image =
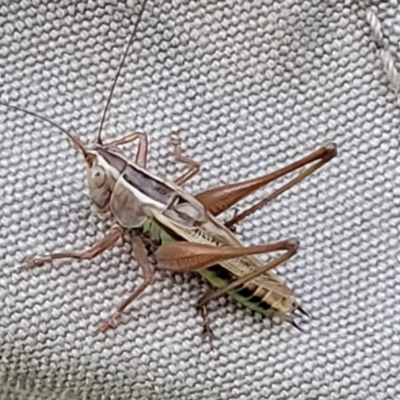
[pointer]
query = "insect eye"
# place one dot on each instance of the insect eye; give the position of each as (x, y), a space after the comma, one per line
(98, 176)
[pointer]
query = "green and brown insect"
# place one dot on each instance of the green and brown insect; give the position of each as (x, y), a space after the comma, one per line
(183, 229)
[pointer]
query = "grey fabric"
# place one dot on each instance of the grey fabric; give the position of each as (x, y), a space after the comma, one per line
(251, 86)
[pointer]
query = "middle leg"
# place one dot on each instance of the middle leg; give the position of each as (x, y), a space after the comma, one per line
(179, 157)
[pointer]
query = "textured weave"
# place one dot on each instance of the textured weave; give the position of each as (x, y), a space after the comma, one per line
(251, 85)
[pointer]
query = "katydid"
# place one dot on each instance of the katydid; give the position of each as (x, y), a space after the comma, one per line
(183, 229)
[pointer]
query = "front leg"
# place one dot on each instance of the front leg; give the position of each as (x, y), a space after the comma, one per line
(194, 167)
(141, 154)
(107, 242)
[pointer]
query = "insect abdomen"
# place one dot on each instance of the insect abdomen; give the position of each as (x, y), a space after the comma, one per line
(250, 295)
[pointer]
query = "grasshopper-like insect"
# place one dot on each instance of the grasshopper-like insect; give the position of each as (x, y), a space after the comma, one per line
(182, 230)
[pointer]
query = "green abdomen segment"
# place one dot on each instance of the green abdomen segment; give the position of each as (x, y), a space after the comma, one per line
(217, 275)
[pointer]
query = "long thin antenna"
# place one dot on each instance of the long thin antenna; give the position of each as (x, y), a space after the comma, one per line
(72, 137)
(99, 141)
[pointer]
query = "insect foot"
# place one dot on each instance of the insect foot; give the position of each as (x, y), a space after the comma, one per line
(106, 326)
(293, 244)
(35, 262)
(207, 332)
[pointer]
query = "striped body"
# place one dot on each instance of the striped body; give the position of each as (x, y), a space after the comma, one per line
(256, 295)
(250, 295)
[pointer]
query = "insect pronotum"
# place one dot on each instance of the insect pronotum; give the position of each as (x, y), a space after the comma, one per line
(182, 230)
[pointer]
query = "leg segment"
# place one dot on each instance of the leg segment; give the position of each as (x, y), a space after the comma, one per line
(207, 332)
(193, 166)
(107, 242)
(219, 199)
(190, 257)
(141, 155)
(140, 254)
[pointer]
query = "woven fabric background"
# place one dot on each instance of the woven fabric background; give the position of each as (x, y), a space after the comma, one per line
(252, 86)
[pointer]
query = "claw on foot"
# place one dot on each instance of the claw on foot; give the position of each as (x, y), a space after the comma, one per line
(34, 262)
(103, 328)
(175, 141)
(207, 331)
(208, 334)
(107, 325)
